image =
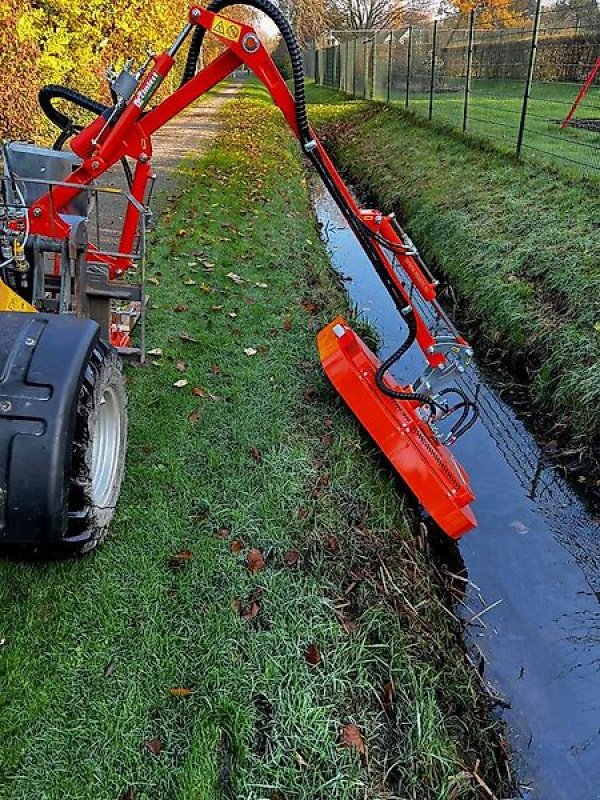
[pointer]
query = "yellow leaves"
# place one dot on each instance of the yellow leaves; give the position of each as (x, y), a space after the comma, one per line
(180, 691)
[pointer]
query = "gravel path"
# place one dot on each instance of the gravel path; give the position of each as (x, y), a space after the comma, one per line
(188, 134)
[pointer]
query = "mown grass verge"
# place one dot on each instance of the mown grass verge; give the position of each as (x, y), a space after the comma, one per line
(519, 244)
(175, 663)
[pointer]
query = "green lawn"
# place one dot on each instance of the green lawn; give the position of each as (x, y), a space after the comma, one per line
(494, 113)
(174, 663)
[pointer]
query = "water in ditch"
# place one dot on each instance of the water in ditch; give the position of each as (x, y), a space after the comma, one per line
(533, 564)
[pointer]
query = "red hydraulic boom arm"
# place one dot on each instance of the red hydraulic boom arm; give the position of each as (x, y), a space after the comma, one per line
(406, 421)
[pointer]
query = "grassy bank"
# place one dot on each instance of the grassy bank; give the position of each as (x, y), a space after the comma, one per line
(261, 623)
(519, 244)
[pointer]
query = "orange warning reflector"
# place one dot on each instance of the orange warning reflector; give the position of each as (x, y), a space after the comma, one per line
(426, 466)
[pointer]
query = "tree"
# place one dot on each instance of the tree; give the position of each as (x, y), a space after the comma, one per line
(73, 42)
(367, 14)
(20, 74)
(309, 18)
(492, 13)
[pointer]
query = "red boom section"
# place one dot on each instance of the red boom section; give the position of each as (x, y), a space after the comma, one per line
(426, 466)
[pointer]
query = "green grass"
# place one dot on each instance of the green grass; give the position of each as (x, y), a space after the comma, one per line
(519, 244)
(92, 648)
(494, 112)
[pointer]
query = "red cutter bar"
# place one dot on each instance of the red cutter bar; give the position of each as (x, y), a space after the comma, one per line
(426, 466)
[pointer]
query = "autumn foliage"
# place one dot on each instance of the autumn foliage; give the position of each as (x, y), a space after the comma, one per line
(73, 42)
(19, 71)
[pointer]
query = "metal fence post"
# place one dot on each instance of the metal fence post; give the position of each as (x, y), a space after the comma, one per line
(432, 82)
(373, 66)
(389, 72)
(408, 64)
(354, 69)
(530, 71)
(346, 63)
(365, 63)
(469, 68)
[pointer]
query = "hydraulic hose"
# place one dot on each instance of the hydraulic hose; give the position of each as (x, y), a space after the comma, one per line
(55, 92)
(280, 20)
(386, 365)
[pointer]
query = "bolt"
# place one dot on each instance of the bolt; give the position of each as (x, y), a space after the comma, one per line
(250, 43)
(5, 406)
(144, 158)
(29, 342)
(195, 12)
(37, 212)
(95, 164)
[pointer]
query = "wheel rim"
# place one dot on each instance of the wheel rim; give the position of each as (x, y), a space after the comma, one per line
(106, 447)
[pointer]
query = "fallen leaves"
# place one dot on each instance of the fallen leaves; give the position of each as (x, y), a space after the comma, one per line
(309, 306)
(153, 746)
(236, 546)
(388, 699)
(181, 383)
(312, 655)
(180, 558)
(351, 737)
(250, 610)
(291, 558)
(198, 391)
(256, 455)
(180, 691)
(349, 626)
(235, 278)
(255, 561)
(250, 351)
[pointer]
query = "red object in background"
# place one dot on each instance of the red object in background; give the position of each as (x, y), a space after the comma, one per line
(582, 92)
(426, 466)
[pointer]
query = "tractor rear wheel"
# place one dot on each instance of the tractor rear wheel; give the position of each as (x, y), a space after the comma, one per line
(99, 448)
(63, 434)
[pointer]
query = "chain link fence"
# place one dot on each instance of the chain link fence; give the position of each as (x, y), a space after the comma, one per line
(514, 86)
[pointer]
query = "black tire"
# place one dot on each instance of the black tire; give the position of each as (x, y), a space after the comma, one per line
(99, 449)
